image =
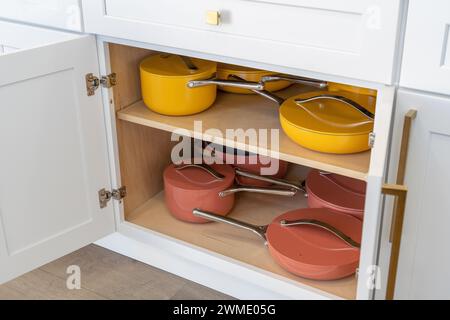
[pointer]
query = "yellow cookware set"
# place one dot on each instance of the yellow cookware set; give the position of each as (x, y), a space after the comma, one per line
(338, 120)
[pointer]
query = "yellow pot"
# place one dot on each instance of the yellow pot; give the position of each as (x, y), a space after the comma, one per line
(328, 125)
(164, 84)
(247, 74)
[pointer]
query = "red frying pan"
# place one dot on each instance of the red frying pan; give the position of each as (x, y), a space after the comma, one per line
(211, 188)
(338, 193)
(312, 243)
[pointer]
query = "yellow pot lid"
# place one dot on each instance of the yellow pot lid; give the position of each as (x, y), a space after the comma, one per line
(170, 65)
(230, 68)
(327, 116)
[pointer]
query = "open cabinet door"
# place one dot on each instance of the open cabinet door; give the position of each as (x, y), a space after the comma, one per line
(53, 154)
(369, 271)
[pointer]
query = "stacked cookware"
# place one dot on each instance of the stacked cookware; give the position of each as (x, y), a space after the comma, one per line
(320, 242)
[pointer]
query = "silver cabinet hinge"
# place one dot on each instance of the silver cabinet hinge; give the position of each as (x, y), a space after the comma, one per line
(105, 195)
(371, 139)
(93, 82)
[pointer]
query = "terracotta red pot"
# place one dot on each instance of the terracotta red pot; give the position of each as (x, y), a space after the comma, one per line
(338, 193)
(210, 188)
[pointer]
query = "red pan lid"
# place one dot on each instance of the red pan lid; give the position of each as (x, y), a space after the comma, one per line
(313, 252)
(194, 178)
(336, 191)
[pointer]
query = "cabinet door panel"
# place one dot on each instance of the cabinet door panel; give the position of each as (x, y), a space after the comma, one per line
(53, 155)
(426, 57)
(425, 246)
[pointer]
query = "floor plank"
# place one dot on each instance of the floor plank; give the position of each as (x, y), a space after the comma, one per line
(104, 275)
(194, 291)
(42, 285)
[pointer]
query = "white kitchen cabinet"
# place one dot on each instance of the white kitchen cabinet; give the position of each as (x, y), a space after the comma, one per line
(424, 258)
(349, 38)
(426, 57)
(61, 14)
(53, 149)
(64, 146)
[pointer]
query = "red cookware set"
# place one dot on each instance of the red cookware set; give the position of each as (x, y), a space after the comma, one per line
(320, 242)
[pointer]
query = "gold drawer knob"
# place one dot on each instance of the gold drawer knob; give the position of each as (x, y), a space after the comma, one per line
(213, 18)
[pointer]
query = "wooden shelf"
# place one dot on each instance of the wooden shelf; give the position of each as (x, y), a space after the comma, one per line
(233, 111)
(234, 243)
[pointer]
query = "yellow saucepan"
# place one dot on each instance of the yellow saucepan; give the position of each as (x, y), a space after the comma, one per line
(272, 81)
(176, 85)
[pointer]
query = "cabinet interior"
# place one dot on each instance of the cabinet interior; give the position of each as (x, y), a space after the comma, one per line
(144, 141)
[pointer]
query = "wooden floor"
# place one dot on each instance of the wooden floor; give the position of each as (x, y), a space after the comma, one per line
(104, 275)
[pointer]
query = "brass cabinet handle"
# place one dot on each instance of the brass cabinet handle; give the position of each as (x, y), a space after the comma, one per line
(401, 168)
(400, 191)
(213, 17)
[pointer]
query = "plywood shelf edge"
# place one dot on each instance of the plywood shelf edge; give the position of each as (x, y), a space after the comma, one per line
(355, 165)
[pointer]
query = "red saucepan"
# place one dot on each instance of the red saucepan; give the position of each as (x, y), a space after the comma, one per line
(210, 188)
(312, 243)
(249, 162)
(338, 193)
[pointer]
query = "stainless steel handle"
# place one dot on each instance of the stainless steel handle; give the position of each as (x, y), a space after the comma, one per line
(264, 93)
(202, 166)
(230, 83)
(271, 96)
(189, 63)
(313, 222)
(294, 79)
(342, 99)
(259, 230)
(272, 191)
(276, 181)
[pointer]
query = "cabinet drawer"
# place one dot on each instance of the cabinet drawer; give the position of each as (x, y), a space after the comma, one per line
(335, 37)
(61, 14)
(426, 58)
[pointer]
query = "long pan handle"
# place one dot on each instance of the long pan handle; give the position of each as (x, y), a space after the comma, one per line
(272, 191)
(264, 93)
(259, 230)
(229, 83)
(295, 79)
(276, 181)
(313, 222)
(271, 96)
